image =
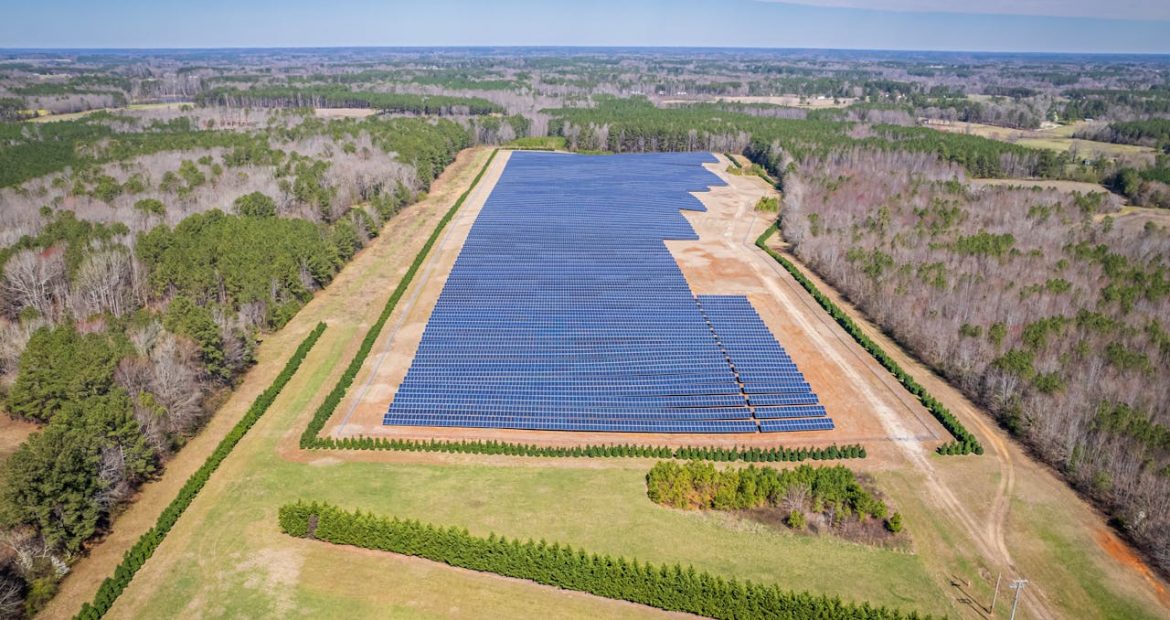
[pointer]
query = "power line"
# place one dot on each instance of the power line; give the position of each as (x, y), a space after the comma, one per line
(1018, 586)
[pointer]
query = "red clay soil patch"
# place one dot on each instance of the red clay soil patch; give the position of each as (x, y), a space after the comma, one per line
(1121, 552)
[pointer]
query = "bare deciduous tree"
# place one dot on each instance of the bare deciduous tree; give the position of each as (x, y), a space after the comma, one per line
(35, 280)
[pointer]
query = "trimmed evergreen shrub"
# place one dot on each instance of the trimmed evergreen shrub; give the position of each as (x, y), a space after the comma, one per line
(672, 588)
(752, 455)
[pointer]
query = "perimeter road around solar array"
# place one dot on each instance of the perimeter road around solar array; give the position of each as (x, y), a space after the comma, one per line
(565, 311)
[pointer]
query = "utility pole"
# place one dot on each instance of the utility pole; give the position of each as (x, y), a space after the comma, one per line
(995, 597)
(1018, 586)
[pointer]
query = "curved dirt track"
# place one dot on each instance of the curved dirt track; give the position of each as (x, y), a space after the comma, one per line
(988, 532)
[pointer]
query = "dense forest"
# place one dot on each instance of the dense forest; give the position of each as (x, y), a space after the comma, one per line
(341, 97)
(633, 125)
(144, 255)
(1043, 306)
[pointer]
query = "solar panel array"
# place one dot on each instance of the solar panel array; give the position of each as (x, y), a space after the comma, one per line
(565, 311)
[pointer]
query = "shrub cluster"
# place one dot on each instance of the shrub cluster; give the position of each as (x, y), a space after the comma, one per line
(309, 438)
(697, 485)
(665, 587)
(748, 455)
(965, 442)
(137, 555)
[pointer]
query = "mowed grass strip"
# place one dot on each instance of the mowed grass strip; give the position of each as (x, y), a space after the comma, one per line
(310, 438)
(136, 556)
(673, 588)
(604, 510)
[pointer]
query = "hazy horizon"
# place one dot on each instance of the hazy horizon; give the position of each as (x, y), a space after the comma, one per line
(1027, 26)
(954, 52)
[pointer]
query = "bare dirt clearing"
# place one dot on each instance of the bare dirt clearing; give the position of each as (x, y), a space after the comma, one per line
(344, 112)
(13, 432)
(1058, 138)
(788, 101)
(1063, 186)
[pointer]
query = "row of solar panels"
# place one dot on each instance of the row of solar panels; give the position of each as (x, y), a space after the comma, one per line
(440, 399)
(576, 425)
(564, 305)
(601, 413)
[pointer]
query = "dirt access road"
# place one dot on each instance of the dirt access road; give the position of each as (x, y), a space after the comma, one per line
(988, 527)
(853, 387)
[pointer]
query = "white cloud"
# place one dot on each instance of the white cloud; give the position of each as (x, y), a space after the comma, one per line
(1115, 9)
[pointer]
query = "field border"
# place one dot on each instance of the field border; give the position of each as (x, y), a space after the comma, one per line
(965, 442)
(311, 438)
(671, 588)
(134, 558)
(617, 450)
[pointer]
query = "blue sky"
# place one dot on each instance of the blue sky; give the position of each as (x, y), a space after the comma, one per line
(995, 25)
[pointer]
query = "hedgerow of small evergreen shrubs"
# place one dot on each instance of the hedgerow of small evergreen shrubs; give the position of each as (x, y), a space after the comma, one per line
(309, 438)
(137, 555)
(671, 588)
(747, 455)
(965, 442)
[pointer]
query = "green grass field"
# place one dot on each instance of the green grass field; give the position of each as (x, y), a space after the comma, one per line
(603, 509)
(44, 116)
(1085, 148)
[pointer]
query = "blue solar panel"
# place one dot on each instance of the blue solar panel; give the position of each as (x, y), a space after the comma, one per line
(813, 411)
(565, 311)
(792, 426)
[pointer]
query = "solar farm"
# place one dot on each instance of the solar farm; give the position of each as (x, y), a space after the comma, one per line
(565, 311)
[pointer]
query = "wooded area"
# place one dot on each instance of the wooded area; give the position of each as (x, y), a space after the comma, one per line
(1039, 304)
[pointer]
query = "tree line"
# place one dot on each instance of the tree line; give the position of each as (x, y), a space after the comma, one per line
(315, 96)
(672, 588)
(1047, 308)
(705, 453)
(113, 586)
(636, 125)
(114, 341)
